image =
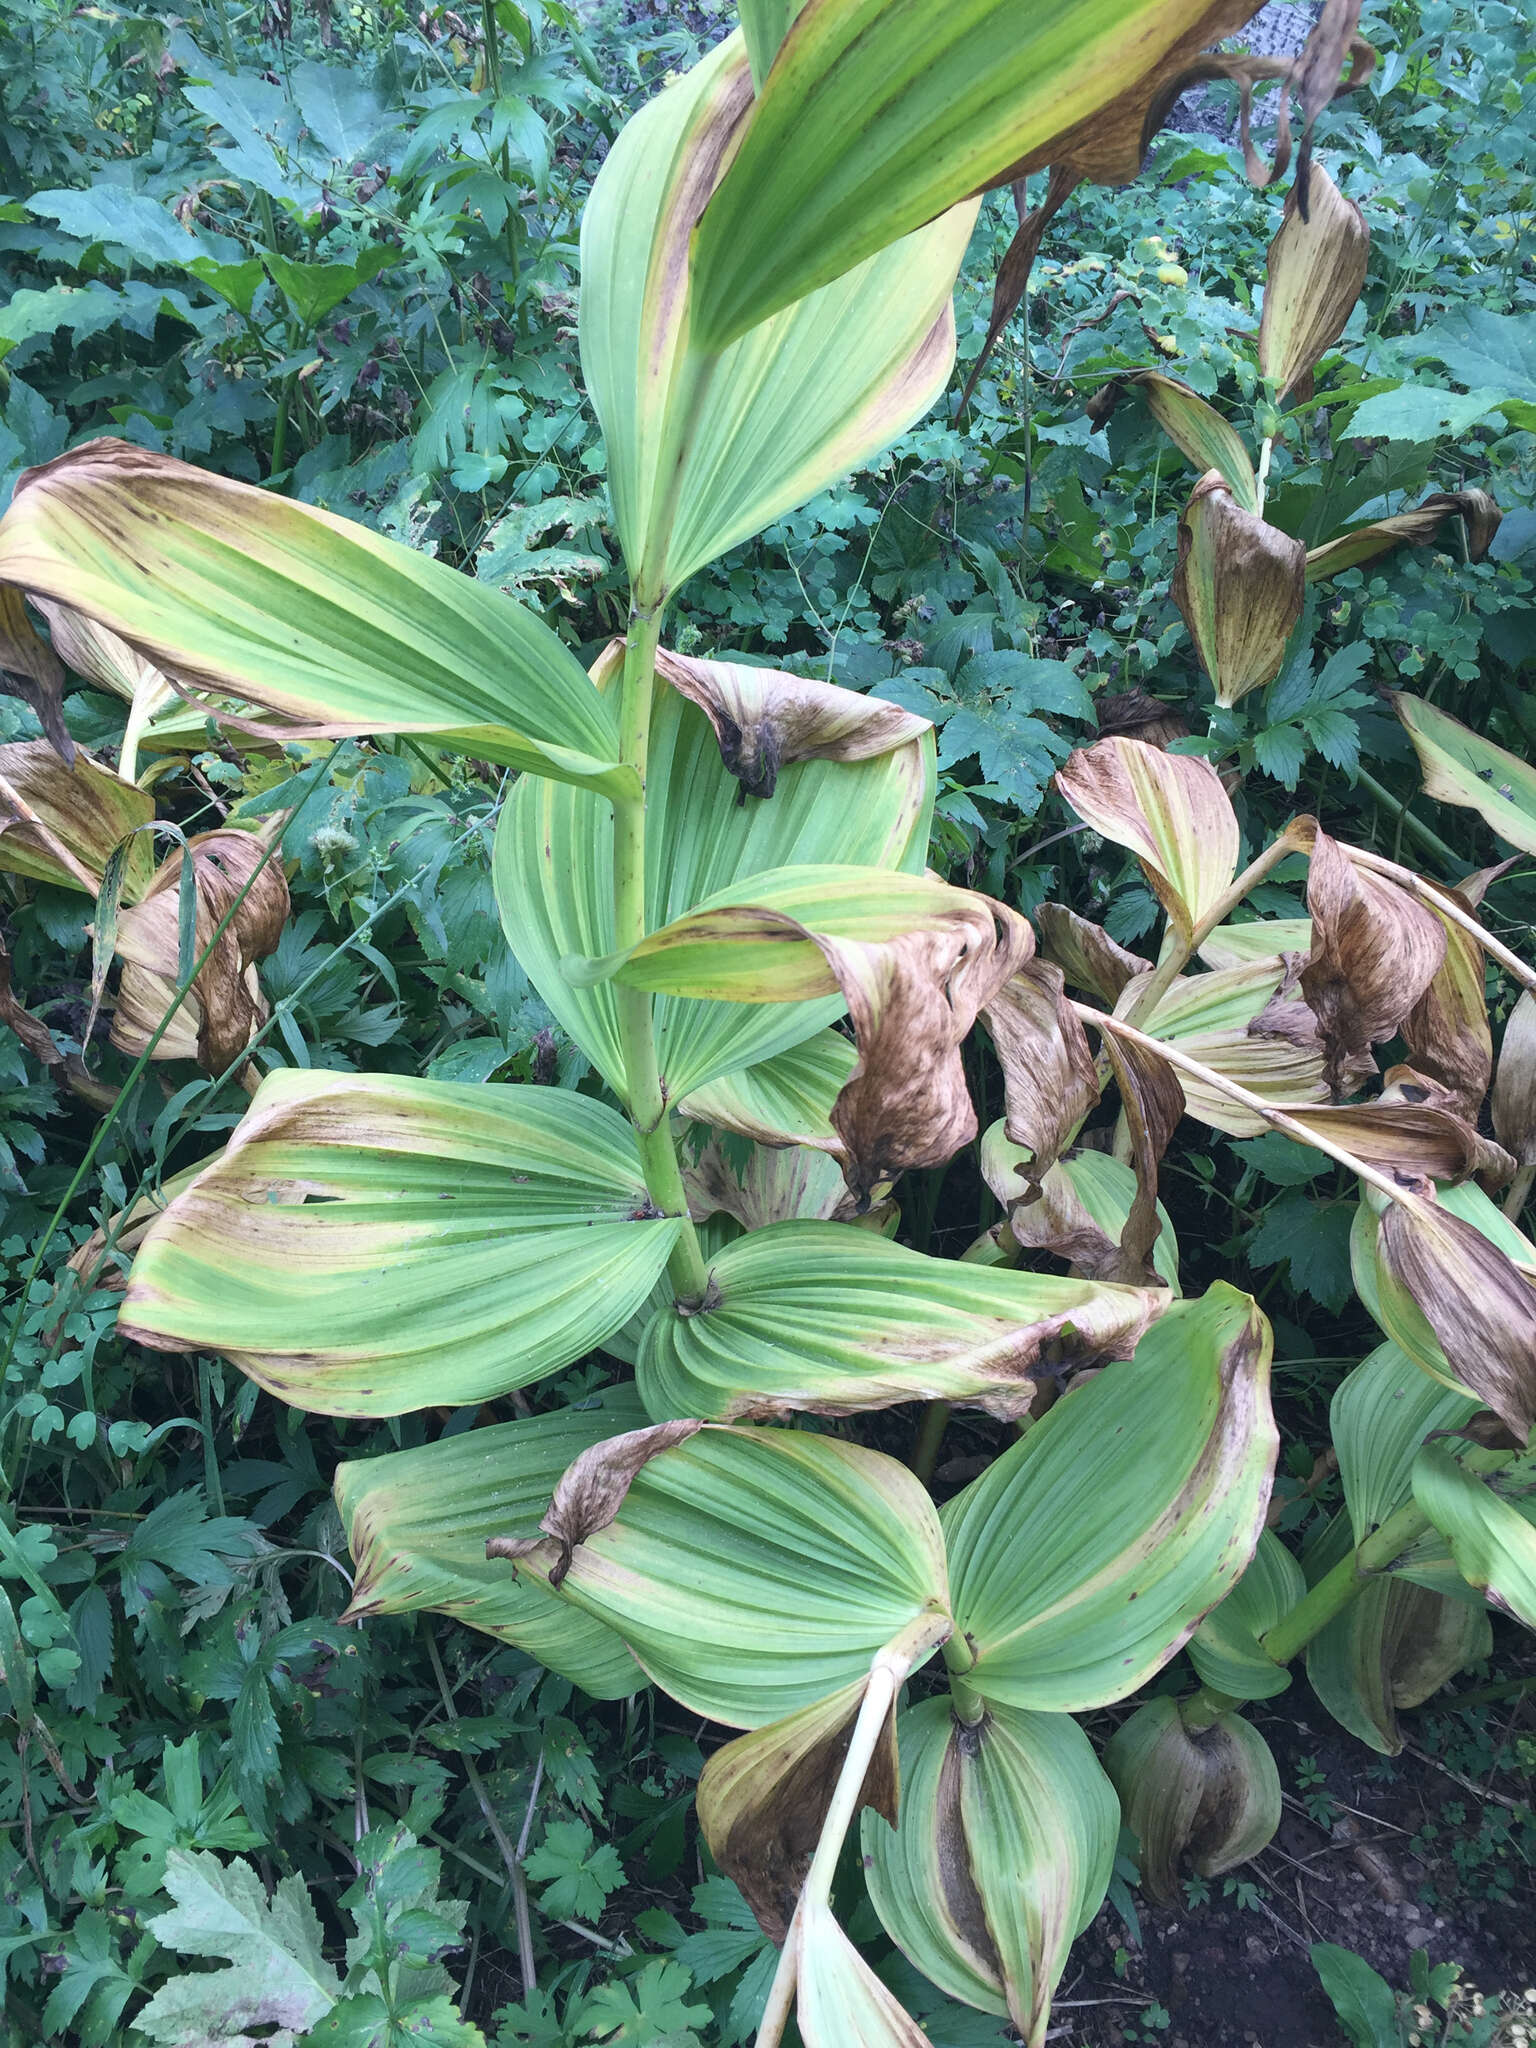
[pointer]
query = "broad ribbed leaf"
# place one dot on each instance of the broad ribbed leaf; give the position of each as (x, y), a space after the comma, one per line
(1491, 1539)
(1002, 1854)
(1084, 1204)
(553, 873)
(1083, 1558)
(1378, 1420)
(1461, 767)
(705, 450)
(754, 1571)
(1261, 938)
(1236, 1021)
(60, 822)
(877, 115)
(1240, 584)
(783, 1100)
(840, 2002)
(237, 589)
(369, 1244)
(832, 1319)
(416, 1524)
(1225, 1649)
(1169, 809)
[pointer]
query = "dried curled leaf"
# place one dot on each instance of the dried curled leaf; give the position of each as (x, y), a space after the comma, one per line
(59, 822)
(1169, 809)
(1134, 715)
(1514, 1086)
(1446, 1032)
(1086, 954)
(590, 1493)
(764, 719)
(1480, 1308)
(1240, 585)
(1151, 1101)
(1414, 1131)
(1315, 273)
(1477, 511)
(1049, 1082)
(30, 670)
(1202, 1798)
(1375, 952)
(215, 1019)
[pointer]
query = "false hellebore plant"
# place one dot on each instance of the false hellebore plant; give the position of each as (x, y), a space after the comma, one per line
(703, 865)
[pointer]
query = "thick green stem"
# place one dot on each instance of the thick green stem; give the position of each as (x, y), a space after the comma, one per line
(1414, 827)
(1335, 1589)
(930, 1434)
(637, 1038)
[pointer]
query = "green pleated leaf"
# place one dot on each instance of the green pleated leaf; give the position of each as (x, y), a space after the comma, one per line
(705, 450)
(877, 115)
(552, 868)
(368, 1244)
(785, 1100)
(1491, 1538)
(1461, 767)
(834, 1320)
(1380, 1415)
(1225, 1649)
(1391, 1648)
(1205, 1799)
(416, 1524)
(234, 588)
(1082, 1560)
(752, 1571)
(1261, 938)
(1001, 1855)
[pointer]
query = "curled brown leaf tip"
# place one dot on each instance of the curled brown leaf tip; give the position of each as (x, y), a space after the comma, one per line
(1478, 512)
(1375, 951)
(764, 719)
(1446, 1032)
(1240, 584)
(1413, 1131)
(30, 670)
(1316, 272)
(1049, 1082)
(1086, 954)
(1152, 1100)
(214, 1022)
(913, 1001)
(590, 1493)
(1514, 1086)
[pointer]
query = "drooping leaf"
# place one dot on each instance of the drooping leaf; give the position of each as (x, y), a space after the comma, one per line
(1240, 585)
(1411, 1131)
(1205, 1797)
(1001, 1855)
(233, 588)
(705, 449)
(416, 1524)
(840, 2001)
(1086, 954)
(1491, 1541)
(1226, 1649)
(1461, 767)
(1181, 1442)
(1195, 428)
(1169, 809)
(1514, 1087)
(834, 1320)
(60, 823)
(1314, 274)
(755, 1571)
(1478, 513)
(1446, 1032)
(1049, 1078)
(1082, 1211)
(371, 1244)
(30, 670)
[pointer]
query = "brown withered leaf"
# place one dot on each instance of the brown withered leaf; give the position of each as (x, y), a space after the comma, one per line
(913, 1001)
(1413, 1131)
(764, 719)
(1169, 809)
(32, 1031)
(1136, 715)
(590, 1493)
(1315, 273)
(98, 655)
(1446, 1032)
(214, 1021)
(775, 1184)
(60, 821)
(1088, 957)
(1420, 528)
(1018, 261)
(1514, 1084)
(1152, 1101)
(1481, 1310)
(30, 670)
(1055, 1222)
(1240, 584)
(1375, 951)
(1049, 1083)
(763, 1798)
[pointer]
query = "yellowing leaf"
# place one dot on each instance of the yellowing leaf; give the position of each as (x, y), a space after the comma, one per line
(1169, 809)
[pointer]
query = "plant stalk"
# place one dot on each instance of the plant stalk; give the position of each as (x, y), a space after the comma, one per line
(1414, 827)
(637, 1038)
(1519, 1193)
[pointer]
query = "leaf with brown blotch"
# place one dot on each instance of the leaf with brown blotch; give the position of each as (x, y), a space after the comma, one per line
(764, 719)
(1477, 511)
(1315, 273)
(1375, 952)
(1514, 1085)
(214, 1021)
(1135, 715)
(1089, 958)
(913, 1001)
(30, 670)
(1152, 1102)
(1480, 1308)
(775, 1184)
(1245, 1023)
(98, 655)
(590, 1493)
(1240, 585)
(1169, 809)
(60, 822)
(1018, 261)
(1446, 1032)
(1412, 1131)
(1049, 1083)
